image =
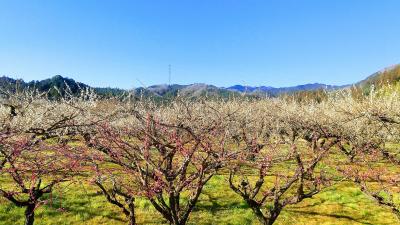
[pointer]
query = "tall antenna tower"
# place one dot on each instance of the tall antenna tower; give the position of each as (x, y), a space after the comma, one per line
(169, 75)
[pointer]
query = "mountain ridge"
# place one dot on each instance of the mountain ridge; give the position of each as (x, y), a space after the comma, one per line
(58, 84)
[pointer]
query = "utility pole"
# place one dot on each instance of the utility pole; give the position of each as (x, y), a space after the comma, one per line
(169, 75)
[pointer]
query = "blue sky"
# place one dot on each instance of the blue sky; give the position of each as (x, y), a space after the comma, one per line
(222, 42)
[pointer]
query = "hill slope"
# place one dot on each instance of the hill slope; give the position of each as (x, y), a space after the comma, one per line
(272, 91)
(58, 85)
(55, 86)
(389, 75)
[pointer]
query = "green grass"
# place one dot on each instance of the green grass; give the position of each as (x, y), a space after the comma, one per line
(83, 204)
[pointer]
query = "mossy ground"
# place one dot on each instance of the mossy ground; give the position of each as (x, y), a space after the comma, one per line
(83, 204)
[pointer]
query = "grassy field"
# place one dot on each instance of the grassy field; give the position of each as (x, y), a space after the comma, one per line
(83, 204)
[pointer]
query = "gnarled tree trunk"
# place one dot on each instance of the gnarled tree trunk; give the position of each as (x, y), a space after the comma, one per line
(30, 214)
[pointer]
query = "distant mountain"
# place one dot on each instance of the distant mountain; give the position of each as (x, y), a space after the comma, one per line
(277, 91)
(191, 91)
(250, 89)
(58, 85)
(11, 84)
(389, 75)
(55, 86)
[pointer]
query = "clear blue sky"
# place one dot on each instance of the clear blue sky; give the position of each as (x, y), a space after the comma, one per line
(221, 42)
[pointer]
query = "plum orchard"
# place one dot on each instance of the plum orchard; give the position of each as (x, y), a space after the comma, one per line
(284, 144)
(273, 152)
(372, 147)
(172, 153)
(34, 154)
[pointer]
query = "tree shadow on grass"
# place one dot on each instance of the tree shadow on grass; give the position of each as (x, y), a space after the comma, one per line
(90, 214)
(56, 207)
(310, 205)
(216, 204)
(302, 212)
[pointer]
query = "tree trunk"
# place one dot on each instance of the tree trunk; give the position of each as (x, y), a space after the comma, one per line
(274, 216)
(260, 216)
(30, 214)
(265, 220)
(131, 205)
(132, 220)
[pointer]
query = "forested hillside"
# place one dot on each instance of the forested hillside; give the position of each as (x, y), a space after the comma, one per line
(388, 76)
(58, 85)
